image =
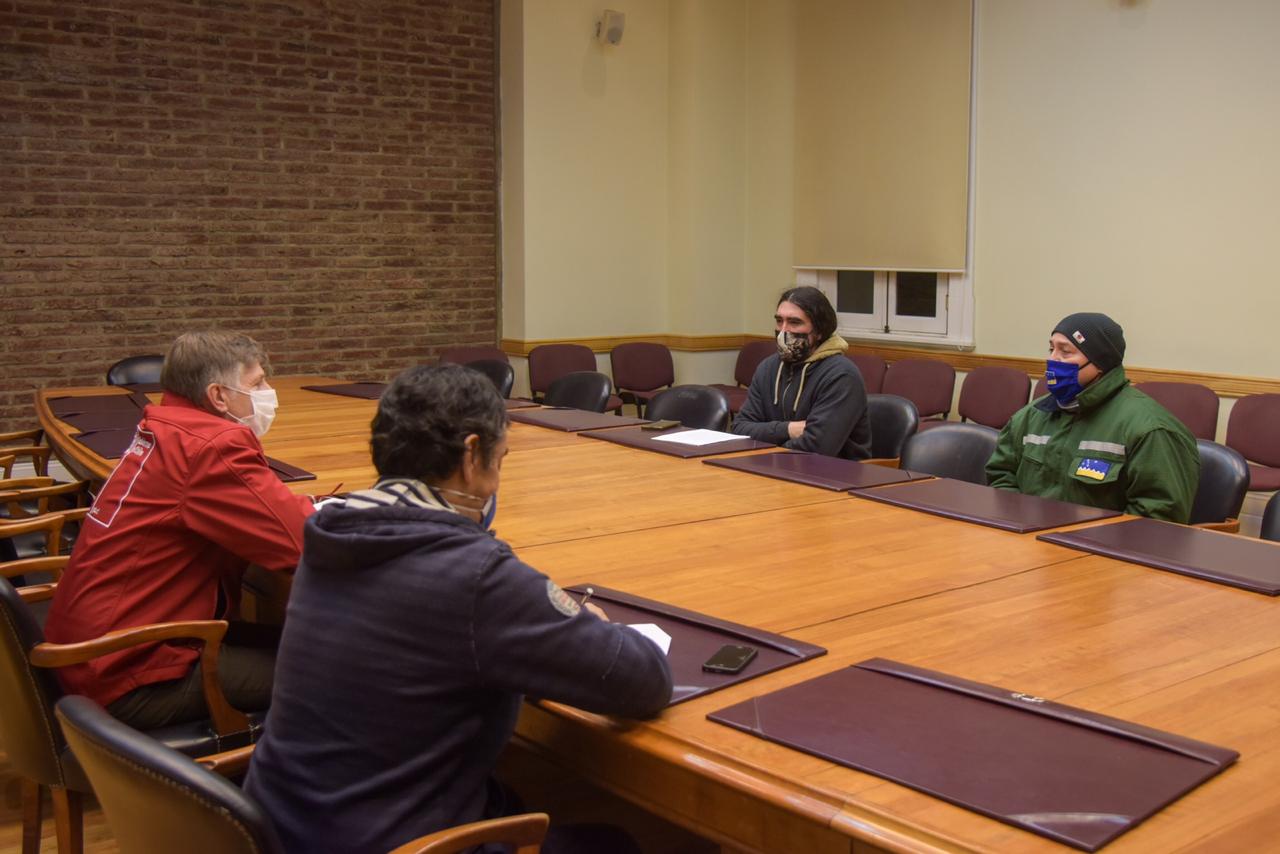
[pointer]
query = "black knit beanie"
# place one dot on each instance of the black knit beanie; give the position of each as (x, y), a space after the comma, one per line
(1097, 336)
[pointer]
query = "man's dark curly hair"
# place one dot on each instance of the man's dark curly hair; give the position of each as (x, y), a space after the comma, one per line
(425, 416)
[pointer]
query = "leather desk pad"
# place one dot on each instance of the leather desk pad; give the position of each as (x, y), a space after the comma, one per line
(520, 404)
(288, 473)
(637, 437)
(985, 505)
(1223, 558)
(64, 406)
(1072, 775)
(364, 391)
(696, 637)
(572, 420)
(817, 470)
(110, 444)
(107, 419)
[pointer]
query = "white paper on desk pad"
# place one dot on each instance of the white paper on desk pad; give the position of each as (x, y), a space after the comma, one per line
(697, 438)
(653, 633)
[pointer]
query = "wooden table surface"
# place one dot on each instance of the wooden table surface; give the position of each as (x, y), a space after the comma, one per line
(862, 579)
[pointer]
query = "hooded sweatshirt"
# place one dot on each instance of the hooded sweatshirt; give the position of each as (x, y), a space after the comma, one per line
(825, 391)
(411, 635)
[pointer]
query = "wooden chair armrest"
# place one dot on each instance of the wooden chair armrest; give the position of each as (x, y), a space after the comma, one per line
(10, 484)
(887, 462)
(78, 489)
(6, 464)
(1229, 526)
(50, 523)
(226, 719)
(228, 763)
(39, 457)
(32, 436)
(47, 563)
(525, 831)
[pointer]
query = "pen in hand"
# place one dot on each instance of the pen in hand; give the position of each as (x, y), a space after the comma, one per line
(587, 595)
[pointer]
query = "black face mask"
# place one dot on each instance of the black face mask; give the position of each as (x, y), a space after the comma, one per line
(794, 346)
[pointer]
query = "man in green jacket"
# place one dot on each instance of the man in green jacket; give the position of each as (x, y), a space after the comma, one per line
(1095, 439)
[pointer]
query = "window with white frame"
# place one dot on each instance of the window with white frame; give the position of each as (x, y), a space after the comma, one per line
(920, 306)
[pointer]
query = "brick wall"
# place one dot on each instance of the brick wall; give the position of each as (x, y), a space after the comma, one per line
(319, 174)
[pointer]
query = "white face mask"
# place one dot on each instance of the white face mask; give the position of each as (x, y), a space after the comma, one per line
(264, 402)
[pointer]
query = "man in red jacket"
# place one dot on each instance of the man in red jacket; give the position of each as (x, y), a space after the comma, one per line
(188, 507)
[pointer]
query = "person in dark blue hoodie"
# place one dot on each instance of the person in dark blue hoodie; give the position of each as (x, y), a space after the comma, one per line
(412, 634)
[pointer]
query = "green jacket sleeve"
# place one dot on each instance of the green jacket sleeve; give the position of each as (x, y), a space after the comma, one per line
(1162, 472)
(1002, 468)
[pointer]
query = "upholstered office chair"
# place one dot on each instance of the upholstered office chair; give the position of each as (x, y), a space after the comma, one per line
(472, 353)
(501, 374)
(1193, 404)
(136, 369)
(1270, 529)
(28, 690)
(693, 406)
(749, 358)
(1251, 430)
(958, 451)
(893, 419)
(640, 370)
(872, 368)
(990, 395)
(549, 362)
(587, 390)
(157, 799)
(1224, 480)
(928, 383)
(1041, 389)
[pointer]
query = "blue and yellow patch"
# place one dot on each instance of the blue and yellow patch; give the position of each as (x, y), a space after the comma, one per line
(1095, 469)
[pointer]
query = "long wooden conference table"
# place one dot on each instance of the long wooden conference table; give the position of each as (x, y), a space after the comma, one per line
(863, 580)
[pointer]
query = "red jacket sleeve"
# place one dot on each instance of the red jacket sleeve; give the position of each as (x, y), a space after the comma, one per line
(233, 499)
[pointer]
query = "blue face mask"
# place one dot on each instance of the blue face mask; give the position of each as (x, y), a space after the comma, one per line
(1063, 380)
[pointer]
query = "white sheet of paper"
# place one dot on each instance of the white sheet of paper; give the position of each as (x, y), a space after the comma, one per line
(653, 633)
(698, 438)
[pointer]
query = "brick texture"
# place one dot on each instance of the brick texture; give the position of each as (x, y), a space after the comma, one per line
(321, 175)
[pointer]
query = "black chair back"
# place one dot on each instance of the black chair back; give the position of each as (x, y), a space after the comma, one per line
(467, 354)
(1224, 480)
(136, 369)
(27, 695)
(1271, 520)
(892, 419)
(501, 374)
(156, 799)
(587, 390)
(692, 405)
(958, 451)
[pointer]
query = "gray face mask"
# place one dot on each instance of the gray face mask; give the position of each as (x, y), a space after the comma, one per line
(794, 346)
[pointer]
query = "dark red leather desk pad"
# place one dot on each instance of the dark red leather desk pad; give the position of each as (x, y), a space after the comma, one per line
(638, 437)
(817, 470)
(364, 391)
(1072, 775)
(110, 444)
(519, 404)
(61, 407)
(572, 420)
(985, 505)
(1224, 558)
(695, 637)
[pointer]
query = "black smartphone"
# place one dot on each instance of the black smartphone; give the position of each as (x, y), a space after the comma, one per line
(665, 424)
(730, 658)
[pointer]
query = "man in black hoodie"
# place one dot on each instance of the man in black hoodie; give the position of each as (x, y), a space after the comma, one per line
(413, 633)
(808, 397)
